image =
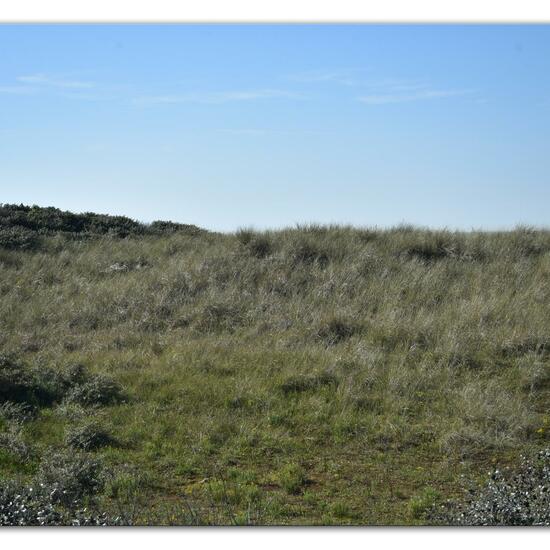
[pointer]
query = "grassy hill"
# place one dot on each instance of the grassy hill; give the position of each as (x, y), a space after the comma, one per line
(304, 376)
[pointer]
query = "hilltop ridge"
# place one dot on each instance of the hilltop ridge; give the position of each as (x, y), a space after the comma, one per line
(23, 223)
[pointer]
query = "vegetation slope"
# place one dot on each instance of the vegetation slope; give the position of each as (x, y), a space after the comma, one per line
(314, 375)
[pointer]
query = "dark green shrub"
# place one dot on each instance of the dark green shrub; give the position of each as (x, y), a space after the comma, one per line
(335, 330)
(517, 348)
(166, 227)
(20, 225)
(260, 246)
(427, 252)
(52, 220)
(20, 384)
(432, 246)
(16, 383)
(508, 498)
(97, 390)
(299, 384)
(71, 475)
(84, 388)
(17, 412)
(12, 442)
(61, 494)
(24, 506)
(89, 437)
(32, 505)
(57, 494)
(75, 374)
(308, 252)
(36, 387)
(18, 238)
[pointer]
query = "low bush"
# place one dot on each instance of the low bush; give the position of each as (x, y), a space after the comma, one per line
(298, 384)
(17, 412)
(521, 497)
(35, 387)
(20, 226)
(432, 246)
(32, 505)
(261, 246)
(71, 475)
(335, 330)
(258, 245)
(308, 252)
(62, 493)
(18, 238)
(22, 505)
(97, 390)
(428, 252)
(88, 437)
(167, 227)
(22, 385)
(12, 442)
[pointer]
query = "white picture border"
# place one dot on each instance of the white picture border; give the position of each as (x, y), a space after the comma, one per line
(281, 11)
(295, 11)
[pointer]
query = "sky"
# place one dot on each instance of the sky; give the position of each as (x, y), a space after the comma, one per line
(268, 126)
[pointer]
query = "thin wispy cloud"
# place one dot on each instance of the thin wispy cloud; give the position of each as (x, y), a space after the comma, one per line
(399, 91)
(41, 83)
(93, 95)
(218, 97)
(41, 79)
(242, 131)
(268, 131)
(379, 91)
(16, 90)
(346, 77)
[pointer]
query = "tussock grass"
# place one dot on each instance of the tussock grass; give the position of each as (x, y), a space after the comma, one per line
(386, 363)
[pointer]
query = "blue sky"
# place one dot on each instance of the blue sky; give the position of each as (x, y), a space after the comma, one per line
(271, 125)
